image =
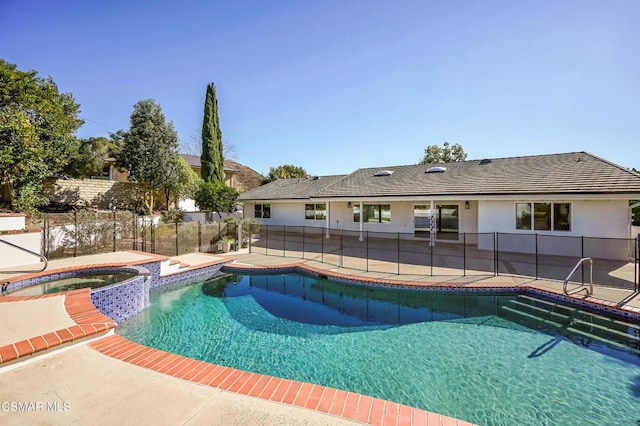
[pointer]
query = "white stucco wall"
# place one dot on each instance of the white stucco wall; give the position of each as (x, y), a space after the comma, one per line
(597, 218)
(188, 205)
(606, 220)
(13, 257)
(12, 221)
(341, 216)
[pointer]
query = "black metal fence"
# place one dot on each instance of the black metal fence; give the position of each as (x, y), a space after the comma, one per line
(615, 261)
(86, 232)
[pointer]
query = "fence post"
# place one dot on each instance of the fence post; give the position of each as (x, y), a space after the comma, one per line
(266, 240)
(199, 237)
(464, 254)
(115, 227)
(284, 240)
(177, 249)
(322, 248)
(153, 236)
(367, 251)
(45, 235)
(496, 253)
(341, 247)
(303, 238)
(536, 245)
(134, 228)
(398, 253)
(582, 257)
(637, 268)
(75, 224)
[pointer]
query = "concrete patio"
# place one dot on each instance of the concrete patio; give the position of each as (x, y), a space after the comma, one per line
(77, 384)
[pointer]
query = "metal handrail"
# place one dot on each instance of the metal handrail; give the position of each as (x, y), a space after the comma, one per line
(573, 271)
(42, 258)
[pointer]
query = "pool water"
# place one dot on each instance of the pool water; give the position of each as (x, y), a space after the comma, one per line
(87, 280)
(448, 353)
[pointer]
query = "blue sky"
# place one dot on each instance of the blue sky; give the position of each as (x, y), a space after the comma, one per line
(336, 85)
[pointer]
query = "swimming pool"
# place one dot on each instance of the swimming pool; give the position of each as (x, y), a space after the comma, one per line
(461, 355)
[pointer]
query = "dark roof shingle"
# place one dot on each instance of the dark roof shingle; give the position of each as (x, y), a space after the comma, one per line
(570, 173)
(291, 189)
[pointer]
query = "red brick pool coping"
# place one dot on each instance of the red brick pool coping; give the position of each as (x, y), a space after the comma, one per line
(331, 401)
(335, 402)
(89, 323)
(149, 257)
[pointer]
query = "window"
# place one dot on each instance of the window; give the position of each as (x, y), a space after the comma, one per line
(315, 211)
(543, 216)
(523, 215)
(262, 211)
(373, 213)
(561, 218)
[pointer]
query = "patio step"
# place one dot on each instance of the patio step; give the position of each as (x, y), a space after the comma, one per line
(572, 323)
(171, 266)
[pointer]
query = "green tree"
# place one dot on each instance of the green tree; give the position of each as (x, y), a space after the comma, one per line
(89, 156)
(445, 154)
(37, 127)
(285, 171)
(212, 151)
(186, 185)
(216, 197)
(149, 150)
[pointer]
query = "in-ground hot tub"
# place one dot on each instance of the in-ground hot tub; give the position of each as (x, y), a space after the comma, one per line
(118, 292)
(78, 280)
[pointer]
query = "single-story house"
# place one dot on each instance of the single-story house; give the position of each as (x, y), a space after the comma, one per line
(570, 194)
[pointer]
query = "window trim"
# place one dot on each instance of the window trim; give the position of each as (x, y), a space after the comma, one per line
(260, 207)
(318, 213)
(377, 213)
(553, 205)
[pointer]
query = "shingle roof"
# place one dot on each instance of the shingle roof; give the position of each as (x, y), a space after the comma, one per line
(291, 189)
(570, 173)
(194, 161)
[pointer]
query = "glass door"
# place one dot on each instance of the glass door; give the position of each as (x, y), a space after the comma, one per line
(422, 221)
(447, 224)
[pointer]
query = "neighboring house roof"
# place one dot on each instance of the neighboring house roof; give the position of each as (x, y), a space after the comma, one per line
(245, 177)
(291, 189)
(570, 173)
(194, 161)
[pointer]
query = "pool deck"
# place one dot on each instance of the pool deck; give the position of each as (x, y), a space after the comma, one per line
(60, 361)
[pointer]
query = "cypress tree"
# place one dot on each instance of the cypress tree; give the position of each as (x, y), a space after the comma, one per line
(211, 159)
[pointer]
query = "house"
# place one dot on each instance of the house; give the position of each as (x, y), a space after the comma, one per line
(236, 176)
(572, 194)
(229, 171)
(112, 187)
(111, 172)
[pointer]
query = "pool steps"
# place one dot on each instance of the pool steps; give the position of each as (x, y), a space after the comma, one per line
(172, 266)
(573, 322)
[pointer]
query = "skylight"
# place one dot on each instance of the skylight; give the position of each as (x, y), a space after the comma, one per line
(384, 173)
(436, 169)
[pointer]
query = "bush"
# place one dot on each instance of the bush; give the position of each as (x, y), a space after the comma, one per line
(29, 198)
(174, 215)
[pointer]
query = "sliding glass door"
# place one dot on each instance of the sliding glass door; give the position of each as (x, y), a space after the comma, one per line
(446, 217)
